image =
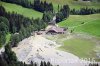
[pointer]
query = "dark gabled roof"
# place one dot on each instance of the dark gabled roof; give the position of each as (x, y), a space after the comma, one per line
(56, 29)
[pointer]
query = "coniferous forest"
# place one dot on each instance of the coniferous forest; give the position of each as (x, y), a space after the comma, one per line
(84, 11)
(20, 27)
(37, 4)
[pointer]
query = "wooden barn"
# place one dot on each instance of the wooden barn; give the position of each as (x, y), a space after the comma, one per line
(53, 28)
(56, 30)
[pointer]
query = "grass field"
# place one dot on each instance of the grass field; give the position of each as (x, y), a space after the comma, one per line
(80, 47)
(74, 4)
(8, 36)
(91, 24)
(92, 28)
(21, 10)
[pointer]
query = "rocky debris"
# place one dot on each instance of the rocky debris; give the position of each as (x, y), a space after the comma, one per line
(39, 49)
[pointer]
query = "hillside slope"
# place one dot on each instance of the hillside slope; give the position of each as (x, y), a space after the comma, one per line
(21, 10)
(74, 4)
(91, 24)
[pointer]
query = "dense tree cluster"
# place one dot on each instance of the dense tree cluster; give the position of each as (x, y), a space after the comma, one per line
(24, 3)
(63, 13)
(46, 8)
(19, 26)
(2, 11)
(92, 0)
(48, 16)
(42, 6)
(89, 0)
(84, 11)
(18, 21)
(37, 4)
(93, 64)
(8, 58)
(4, 26)
(4, 29)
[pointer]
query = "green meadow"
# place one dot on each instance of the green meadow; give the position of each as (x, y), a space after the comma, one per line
(80, 47)
(21, 10)
(8, 36)
(91, 24)
(86, 25)
(73, 4)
